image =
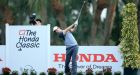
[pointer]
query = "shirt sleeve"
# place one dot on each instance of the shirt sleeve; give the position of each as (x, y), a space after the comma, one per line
(61, 35)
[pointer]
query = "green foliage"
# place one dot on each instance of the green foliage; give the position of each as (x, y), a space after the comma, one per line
(128, 1)
(60, 73)
(14, 72)
(51, 73)
(33, 72)
(25, 72)
(89, 71)
(107, 73)
(129, 37)
(99, 72)
(80, 73)
(117, 73)
(44, 9)
(42, 73)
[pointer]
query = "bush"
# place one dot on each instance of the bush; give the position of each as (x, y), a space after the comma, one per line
(60, 73)
(117, 73)
(33, 72)
(99, 72)
(25, 72)
(15, 72)
(107, 71)
(42, 73)
(51, 71)
(129, 44)
(6, 71)
(89, 71)
(80, 73)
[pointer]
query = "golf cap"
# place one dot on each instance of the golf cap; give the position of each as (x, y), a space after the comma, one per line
(54, 28)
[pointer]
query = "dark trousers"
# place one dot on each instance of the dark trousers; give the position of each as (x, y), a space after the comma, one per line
(71, 52)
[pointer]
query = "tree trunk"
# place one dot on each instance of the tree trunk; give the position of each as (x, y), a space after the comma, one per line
(59, 11)
(43, 11)
(95, 25)
(109, 21)
(101, 4)
(7, 17)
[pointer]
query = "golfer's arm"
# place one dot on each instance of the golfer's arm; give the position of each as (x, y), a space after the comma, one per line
(68, 28)
(73, 29)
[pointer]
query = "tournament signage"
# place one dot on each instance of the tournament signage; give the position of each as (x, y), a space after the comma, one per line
(27, 47)
(27, 39)
(95, 57)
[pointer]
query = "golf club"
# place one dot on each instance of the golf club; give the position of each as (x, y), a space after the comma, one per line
(76, 22)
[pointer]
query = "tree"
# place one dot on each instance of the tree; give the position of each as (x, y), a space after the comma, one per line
(108, 24)
(129, 37)
(58, 8)
(137, 3)
(6, 16)
(39, 7)
(109, 21)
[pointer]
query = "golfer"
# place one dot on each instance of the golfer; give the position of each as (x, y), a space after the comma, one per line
(71, 47)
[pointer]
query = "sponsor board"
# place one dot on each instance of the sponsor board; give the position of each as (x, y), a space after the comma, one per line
(27, 47)
(95, 57)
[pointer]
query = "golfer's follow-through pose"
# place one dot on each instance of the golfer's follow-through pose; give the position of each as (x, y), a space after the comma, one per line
(71, 47)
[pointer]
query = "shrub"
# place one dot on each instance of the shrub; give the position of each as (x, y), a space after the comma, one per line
(89, 71)
(80, 73)
(60, 73)
(6, 71)
(51, 71)
(25, 72)
(129, 45)
(117, 73)
(42, 73)
(15, 72)
(107, 71)
(33, 72)
(99, 72)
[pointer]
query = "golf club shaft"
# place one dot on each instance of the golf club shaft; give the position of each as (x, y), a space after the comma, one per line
(81, 10)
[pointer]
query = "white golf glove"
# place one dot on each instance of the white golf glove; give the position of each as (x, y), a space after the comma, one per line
(76, 23)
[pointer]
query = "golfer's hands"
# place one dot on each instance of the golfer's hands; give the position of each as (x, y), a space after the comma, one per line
(76, 23)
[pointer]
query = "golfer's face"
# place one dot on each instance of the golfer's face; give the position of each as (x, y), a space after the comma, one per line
(58, 30)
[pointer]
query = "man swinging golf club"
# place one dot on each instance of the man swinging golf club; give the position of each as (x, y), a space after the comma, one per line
(71, 46)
